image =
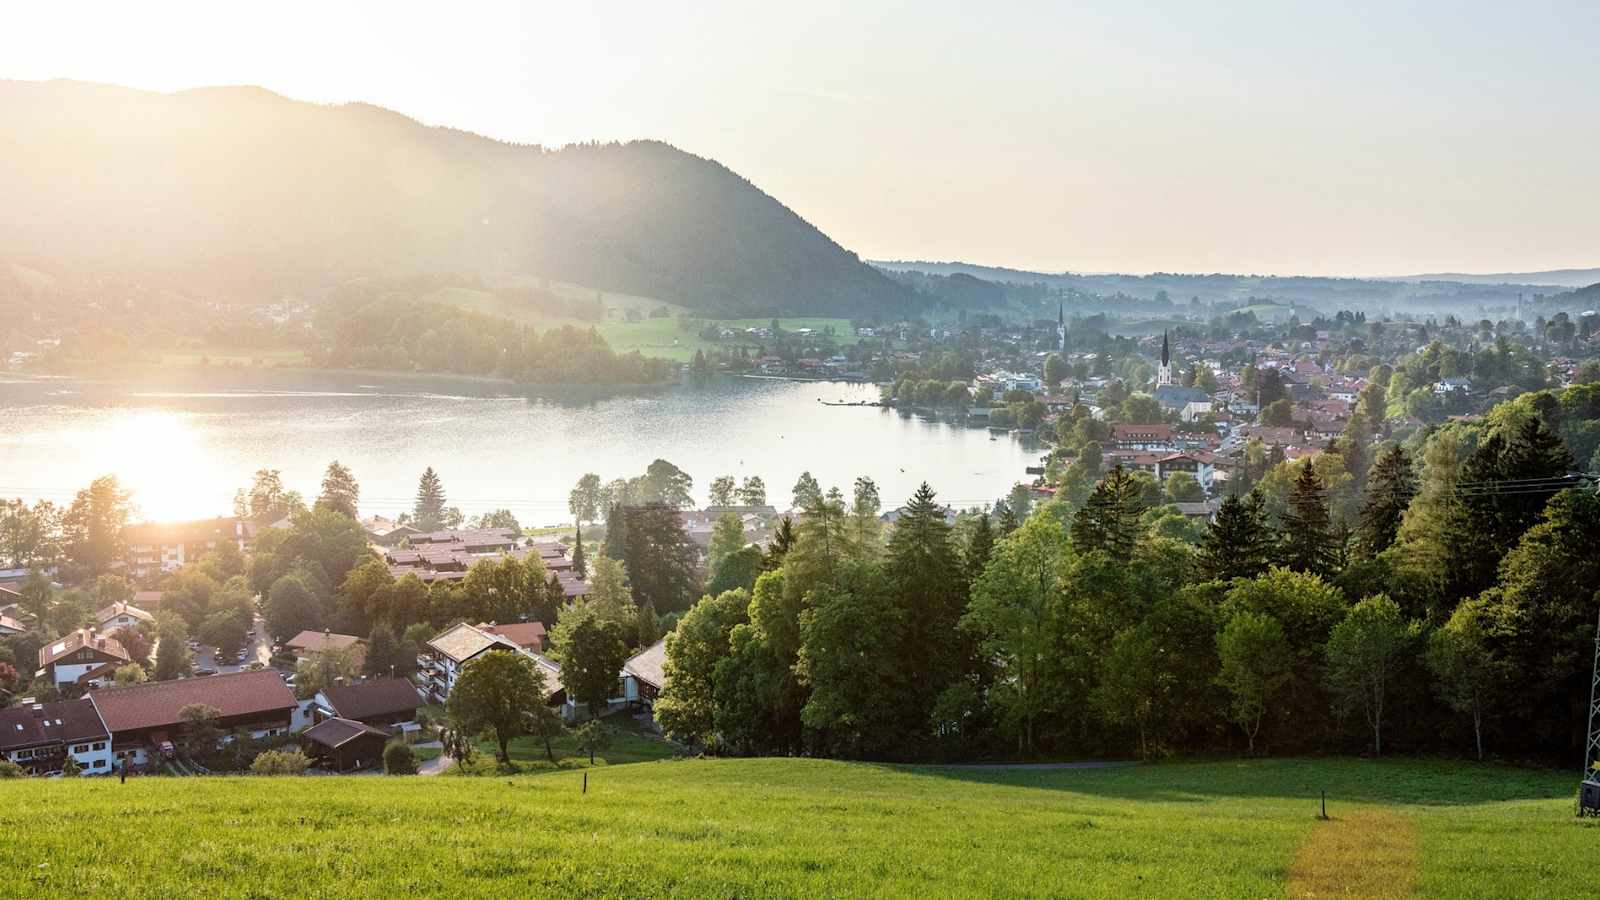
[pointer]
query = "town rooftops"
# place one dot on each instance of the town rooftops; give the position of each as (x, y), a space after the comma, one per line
(336, 732)
(46, 723)
(10, 625)
(523, 634)
(1141, 432)
(462, 642)
(123, 609)
(379, 697)
(318, 641)
(160, 704)
(649, 665)
(148, 600)
(83, 638)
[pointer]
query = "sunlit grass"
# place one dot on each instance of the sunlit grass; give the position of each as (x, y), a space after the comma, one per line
(788, 827)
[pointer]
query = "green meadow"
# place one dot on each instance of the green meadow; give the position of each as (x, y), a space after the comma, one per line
(812, 828)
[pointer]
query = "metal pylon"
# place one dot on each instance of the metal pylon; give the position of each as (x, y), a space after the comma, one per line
(1593, 743)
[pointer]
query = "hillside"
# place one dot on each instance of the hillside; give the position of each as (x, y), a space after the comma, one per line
(794, 827)
(245, 194)
(1465, 297)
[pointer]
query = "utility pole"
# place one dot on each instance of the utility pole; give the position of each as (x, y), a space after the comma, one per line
(1593, 740)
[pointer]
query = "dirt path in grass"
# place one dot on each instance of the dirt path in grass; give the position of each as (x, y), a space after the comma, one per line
(1366, 853)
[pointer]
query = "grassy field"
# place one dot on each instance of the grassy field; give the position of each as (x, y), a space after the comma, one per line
(697, 828)
(629, 744)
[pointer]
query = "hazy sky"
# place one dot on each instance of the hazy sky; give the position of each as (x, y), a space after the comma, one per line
(1338, 138)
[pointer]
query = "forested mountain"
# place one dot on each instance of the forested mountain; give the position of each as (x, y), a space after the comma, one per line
(246, 195)
(1469, 297)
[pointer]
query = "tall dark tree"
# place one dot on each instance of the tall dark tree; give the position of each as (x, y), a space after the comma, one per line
(428, 513)
(340, 492)
(1503, 488)
(980, 546)
(580, 566)
(1390, 487)
(616, 542)
(93, 524)
(783, 538)
(928, 584)
(591, 661)
(1238, 543)
(1110, 518)
(660, 557)
(1306, 543)
(1005, 518)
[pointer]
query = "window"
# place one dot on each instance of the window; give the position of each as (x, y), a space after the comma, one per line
(100, 763)
(100, 745)
(81, 748)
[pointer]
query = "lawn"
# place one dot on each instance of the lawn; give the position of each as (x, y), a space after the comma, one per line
(664, 337)
(629, 744)
(804, 828)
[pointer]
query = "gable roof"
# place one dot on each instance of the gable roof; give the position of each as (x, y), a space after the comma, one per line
(158, 704)
(336, 732)
(78, 640)
(464, 641)
(11, 624)
(378, 697)
(523, 634)
(318, 641)
(649, 665)
(47, 723)
(120, 609)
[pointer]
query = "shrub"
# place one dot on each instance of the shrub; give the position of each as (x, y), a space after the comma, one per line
(70, 768)
(279, 762)
(398, 759)
(9, 769)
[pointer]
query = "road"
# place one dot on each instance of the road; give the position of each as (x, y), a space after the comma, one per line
(259, 650)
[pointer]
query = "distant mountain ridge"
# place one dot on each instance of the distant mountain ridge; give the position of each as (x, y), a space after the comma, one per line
(248, 194)
(1567, 278)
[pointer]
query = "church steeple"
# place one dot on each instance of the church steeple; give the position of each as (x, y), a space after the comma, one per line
(1166, 353)
(1164, 374)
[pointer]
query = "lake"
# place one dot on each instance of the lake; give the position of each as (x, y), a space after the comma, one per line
(185, 442)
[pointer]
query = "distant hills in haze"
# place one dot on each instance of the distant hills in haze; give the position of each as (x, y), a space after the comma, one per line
(1567, 278)
(246, 194)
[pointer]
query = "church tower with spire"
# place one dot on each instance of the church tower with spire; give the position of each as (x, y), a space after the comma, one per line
(1164, 374)
(1061, 327)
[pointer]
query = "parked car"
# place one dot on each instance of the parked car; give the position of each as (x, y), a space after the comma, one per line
(204, 671)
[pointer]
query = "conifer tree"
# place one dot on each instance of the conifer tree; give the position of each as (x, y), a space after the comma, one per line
(928, 585)
(1006, 518)
(1237, 543)
(580, 566)
(979, 548)
(782, 540)
(1390, 487)
(1306, 544)
(428, 513)
(1110, 518)
(616, 543)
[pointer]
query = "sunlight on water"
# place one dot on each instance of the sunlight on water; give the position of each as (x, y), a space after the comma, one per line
(185, 448)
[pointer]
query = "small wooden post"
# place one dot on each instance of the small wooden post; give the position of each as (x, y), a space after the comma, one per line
(586, 782)
(1324, 803)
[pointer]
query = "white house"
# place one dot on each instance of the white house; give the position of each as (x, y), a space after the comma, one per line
(40, 736)
(448, 653)
(81, 657)
(120, 615)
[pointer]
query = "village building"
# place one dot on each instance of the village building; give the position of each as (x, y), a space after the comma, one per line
(527, 635)
(344, 745)
(447, 654)
(154, 547)
(644, 675)
(146, 720)
(81, 657)
(386, 703)
(40, 736)
(121, 615)
(307, 644)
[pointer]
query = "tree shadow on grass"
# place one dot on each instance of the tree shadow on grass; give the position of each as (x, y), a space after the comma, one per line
(1407, 781)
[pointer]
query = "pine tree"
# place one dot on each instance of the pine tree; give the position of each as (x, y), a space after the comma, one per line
(928, 586)
(428, 513)
(783, 538)
(979, 548)
(1110, 518)
(1006, 518)
(616, 543)
(1237, 543)
(1390, 487)
(1306, 544)
(579, 565)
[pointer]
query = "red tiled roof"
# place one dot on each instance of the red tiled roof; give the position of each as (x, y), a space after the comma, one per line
(159, 704)
(77, 640)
